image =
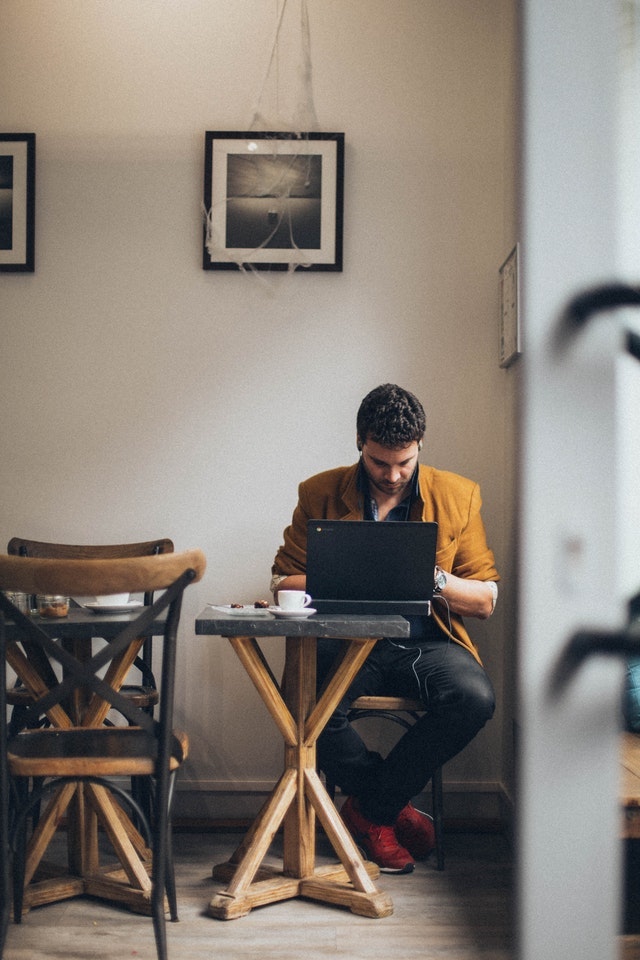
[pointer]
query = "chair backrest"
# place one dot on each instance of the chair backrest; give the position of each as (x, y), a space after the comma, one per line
(95, 577)
(32, 659)
(19, 546)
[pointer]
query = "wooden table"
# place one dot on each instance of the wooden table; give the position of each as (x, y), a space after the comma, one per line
(299, 794)
(85, 805)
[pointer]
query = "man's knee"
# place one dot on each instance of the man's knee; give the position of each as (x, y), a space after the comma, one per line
(480, 698)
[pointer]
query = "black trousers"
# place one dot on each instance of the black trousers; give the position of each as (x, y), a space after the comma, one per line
(458, 698)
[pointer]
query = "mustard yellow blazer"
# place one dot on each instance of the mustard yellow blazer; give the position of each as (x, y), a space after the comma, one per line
(450, 500)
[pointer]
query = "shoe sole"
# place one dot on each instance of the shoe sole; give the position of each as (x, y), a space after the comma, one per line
(408, 867)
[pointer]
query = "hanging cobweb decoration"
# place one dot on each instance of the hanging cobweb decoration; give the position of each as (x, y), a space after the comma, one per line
(270, 198)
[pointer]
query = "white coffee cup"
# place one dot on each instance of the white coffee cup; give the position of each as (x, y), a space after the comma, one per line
(113, 599)
(293, 599)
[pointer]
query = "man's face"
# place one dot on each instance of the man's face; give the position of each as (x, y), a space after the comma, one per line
(389, 470)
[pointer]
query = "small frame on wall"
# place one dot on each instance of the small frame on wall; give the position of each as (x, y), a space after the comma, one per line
(273, 201)
(17, 201)
(509, 309)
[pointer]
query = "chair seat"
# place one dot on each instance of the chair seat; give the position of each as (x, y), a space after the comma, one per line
(85, 752)
(388, 703)
(142, 696)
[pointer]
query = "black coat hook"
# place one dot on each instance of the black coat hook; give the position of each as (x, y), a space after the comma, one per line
(584, 306)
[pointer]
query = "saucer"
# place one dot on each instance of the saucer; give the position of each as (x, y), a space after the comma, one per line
(293, 614)
(247, 610)
(114, 607)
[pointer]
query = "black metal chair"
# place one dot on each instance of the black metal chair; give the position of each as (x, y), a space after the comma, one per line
(77, 748)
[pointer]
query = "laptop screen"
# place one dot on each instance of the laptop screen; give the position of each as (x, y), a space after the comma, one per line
(366, 566)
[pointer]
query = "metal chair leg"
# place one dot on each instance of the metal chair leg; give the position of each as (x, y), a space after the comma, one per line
(20, 847)
(437, 807)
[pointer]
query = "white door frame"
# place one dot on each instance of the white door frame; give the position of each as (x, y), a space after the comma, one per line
(569, 864)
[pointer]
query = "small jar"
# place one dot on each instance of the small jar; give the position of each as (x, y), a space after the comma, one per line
(20, 600)
(52, 606)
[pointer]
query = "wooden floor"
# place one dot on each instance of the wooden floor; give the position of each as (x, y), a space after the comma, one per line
(463, 913)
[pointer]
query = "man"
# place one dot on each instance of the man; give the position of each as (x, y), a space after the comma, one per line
(439, 663)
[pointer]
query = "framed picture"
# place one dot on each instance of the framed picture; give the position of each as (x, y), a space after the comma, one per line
(17, 201)
(509, 310)
(273, 201)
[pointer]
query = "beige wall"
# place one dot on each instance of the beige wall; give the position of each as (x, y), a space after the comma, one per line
(144, 396)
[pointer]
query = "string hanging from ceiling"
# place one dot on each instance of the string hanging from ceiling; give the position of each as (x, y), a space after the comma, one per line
(285, 105)
(286, 99)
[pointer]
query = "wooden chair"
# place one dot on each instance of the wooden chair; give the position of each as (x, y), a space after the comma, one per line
(77, 748)
(145, 693)
(403, 712)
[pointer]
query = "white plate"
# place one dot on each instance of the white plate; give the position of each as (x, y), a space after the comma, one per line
(293, 614)
(114, 607)
(246, 610)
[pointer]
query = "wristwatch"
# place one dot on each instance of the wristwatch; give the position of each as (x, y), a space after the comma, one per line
(439, 581)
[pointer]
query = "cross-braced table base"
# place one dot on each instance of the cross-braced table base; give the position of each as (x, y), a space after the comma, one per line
(127, 882)
(299, 796)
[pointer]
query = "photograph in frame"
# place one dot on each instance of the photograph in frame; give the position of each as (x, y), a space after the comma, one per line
(17, 201)
(273, 201)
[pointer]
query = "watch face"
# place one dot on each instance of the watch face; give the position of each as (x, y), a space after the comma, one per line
(440, 581)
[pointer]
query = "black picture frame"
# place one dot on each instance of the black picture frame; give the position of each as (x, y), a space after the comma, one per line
(17, 201)
(273, 201)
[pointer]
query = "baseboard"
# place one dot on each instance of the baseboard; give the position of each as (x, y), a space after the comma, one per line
(479, 807)
(201, 825)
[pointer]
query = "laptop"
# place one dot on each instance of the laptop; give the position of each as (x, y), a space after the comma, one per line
(371, 567)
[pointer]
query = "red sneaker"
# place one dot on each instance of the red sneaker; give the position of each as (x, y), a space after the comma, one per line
(415, 830)
(378, 841)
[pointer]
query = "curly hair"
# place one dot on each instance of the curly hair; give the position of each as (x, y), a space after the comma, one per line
(391, 416)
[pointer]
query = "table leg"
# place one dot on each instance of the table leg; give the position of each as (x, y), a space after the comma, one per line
(47, 826)
(129, 882)
(300, 693)
(242, 893)
(299, 796)
(362, 896)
